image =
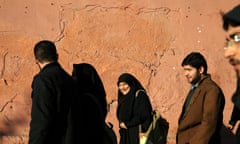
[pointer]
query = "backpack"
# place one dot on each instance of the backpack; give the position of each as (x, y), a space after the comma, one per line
(157, 131)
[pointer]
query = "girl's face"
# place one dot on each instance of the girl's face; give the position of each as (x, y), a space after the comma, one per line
(124, 88)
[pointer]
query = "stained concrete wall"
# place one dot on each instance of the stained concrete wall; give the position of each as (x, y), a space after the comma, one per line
(146, 38)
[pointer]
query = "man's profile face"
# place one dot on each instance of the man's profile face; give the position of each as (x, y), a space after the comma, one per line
(232, 47)
(192, 74)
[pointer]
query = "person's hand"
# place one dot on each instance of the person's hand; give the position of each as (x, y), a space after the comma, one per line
(235, 128)
(229, 127)
(141, 134)
(122, 125)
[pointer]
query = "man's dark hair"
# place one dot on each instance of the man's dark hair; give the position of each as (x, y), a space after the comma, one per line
(45, 51)
(231, 18)
(196, 60)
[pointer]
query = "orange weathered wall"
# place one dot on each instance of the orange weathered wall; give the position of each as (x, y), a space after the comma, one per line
(146, 38)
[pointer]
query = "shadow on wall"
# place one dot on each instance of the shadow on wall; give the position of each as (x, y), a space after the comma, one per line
(10, 128)
(227, 136)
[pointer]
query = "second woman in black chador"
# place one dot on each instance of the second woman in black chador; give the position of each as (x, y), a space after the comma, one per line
(132, 110)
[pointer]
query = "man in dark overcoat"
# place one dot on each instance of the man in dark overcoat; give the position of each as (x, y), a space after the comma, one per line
(52, 90)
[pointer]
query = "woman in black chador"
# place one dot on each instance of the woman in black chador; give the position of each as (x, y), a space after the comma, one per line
(89, 108)
(134, 109)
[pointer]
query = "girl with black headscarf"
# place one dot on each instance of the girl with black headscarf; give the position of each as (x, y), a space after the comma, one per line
(134, 109)
(89, 107)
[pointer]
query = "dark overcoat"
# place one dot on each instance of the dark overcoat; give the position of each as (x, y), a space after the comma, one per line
(52, 90)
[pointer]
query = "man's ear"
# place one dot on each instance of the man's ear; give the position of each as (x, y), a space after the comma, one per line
(201, 70)
(36, 61)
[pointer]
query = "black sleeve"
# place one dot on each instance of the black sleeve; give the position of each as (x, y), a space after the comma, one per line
(42, 111)
(235, 116)
(141, 110)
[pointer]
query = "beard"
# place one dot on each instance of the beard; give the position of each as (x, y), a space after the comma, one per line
(196, 79)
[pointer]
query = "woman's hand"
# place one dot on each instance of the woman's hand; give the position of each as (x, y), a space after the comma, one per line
(235, 128)
(122, 125)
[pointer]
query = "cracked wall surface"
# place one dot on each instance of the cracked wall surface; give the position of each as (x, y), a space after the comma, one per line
(146, 38)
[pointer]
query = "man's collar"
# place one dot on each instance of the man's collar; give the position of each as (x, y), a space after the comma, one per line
(194, 85)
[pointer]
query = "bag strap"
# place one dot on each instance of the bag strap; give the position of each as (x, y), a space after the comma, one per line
(136, 94)
(155, 116)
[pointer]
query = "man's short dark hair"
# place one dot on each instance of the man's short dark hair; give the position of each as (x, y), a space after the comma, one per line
(196, 60)
(45, 51)
(231, 18)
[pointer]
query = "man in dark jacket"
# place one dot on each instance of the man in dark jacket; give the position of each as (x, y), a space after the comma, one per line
(51, 97)
(231, 24)
(202, 113)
